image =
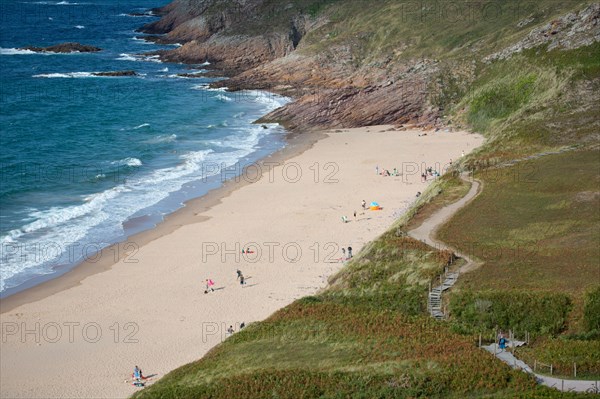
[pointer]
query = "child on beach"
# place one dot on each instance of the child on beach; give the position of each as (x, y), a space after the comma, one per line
(209, 285)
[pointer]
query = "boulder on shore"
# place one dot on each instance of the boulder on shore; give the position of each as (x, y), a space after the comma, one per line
(64, 48)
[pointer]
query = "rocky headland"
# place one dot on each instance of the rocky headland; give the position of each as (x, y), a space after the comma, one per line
(296, 51)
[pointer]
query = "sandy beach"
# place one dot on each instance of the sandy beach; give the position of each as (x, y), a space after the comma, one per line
(82, 336)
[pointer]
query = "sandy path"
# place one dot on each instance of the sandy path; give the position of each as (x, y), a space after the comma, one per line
(427, 230)
(149, 309)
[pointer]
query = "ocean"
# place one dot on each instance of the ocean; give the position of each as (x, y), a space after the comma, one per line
(82, 157)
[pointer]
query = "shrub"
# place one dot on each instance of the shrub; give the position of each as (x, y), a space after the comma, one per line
(538, 313)
(591, 310)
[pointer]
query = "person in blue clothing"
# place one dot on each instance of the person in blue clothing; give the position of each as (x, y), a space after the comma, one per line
(502, 343)
(137, 374)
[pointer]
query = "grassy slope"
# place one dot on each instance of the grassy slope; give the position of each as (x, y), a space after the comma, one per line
(368, 335)
(365, 337)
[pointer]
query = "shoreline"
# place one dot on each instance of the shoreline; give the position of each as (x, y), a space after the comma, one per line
(295, 144)
(153, 312)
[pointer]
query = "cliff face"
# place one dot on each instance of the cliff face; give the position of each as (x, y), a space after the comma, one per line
(351, 63)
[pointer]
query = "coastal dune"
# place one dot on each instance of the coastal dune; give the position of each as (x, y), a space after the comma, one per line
(150, 308)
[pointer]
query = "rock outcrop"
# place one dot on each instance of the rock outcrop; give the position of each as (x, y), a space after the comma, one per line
(115, 73)
(568, 32)
(341, 83)
(64, 48)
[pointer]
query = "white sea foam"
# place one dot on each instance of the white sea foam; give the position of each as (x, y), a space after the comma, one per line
(128, 162)
(79, 26)
(141, 126)
(16, 51)
(102, 214)
(204, 86)
(65, 75)
(224, 98)
(141, 40)
(53, 3)
(126, 57)
(139, 57)
(162, 139)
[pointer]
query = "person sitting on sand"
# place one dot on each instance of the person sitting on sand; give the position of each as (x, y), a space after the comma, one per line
(137, 374)
(242, 279)
(230, 330)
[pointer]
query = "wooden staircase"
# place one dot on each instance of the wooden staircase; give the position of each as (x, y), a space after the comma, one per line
(434, 302)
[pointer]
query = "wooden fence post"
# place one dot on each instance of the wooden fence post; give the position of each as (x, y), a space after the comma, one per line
(534, 365)
(480, 340)
(551, 373)
(575, 369)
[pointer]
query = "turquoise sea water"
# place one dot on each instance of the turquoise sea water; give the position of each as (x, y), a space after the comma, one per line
(83, 156)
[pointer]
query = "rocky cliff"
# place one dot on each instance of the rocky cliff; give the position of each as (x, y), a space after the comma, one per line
(351, 63)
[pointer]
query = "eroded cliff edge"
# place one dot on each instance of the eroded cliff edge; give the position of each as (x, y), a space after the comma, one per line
(356, 63)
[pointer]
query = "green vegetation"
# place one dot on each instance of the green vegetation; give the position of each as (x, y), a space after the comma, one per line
(565, 356)
(534, 227)
(591, 310)
(489, 311)
(401, 29)
(361, 338)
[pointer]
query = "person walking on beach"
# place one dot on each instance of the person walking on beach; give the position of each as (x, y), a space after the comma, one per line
(239, 273)
(343, 253)
(364, 204)
(349, 252)
(242, 279)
